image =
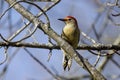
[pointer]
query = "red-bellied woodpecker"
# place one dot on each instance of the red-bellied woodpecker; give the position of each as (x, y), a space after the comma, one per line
(71, 34)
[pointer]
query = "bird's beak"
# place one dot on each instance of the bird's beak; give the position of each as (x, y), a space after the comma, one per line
(62, 19)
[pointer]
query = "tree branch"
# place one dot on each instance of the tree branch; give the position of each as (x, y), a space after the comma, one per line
(62, 43)
(48, 46)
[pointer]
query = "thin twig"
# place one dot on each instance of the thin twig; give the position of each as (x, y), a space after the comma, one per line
(28, 23)
(40, 63)
(48, 21)
(102, 53)
(6, 56)
(34, 38)
(98, 59)
(117, 64)
(49, 55)
(89, 38)
(18, 32)
(8, 62)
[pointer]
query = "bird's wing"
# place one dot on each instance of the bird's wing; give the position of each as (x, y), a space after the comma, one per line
(65, 37)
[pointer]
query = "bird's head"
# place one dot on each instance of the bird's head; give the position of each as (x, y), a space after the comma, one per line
(69, 20)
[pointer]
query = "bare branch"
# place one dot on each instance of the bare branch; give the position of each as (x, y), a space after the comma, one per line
(40, 63)
(48, 46)
(5, 56)
(117, 64)
(28, 23)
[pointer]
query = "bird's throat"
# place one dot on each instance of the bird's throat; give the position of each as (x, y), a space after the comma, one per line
(69, 29)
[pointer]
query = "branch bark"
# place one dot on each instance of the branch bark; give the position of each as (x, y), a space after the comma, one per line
(49, 46)
(78, 58)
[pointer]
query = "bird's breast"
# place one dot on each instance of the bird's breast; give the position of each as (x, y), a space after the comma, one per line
(68, 31)
(71, 34)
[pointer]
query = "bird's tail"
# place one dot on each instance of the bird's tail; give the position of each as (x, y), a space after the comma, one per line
(67, 61)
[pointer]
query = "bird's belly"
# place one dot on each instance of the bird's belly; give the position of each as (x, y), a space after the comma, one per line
(69, 33)
(72, 37)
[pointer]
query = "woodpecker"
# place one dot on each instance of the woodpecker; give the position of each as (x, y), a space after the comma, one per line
(71, 34)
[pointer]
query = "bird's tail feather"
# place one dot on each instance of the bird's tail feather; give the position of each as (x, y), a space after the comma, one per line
(67, 61)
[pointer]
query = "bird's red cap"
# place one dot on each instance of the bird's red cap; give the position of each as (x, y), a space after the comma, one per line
(68, 17)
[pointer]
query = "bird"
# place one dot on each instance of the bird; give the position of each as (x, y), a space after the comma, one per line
(71, 34)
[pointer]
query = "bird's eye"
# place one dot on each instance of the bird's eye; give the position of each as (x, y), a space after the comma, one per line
(69, 19)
